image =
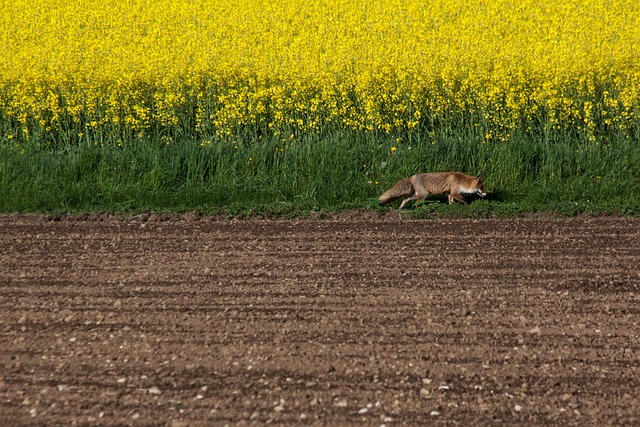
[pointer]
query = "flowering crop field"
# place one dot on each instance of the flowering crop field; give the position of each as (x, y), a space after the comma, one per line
(524, 90)
(107, 69)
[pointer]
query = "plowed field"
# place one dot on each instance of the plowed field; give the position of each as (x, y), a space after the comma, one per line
(358, 319)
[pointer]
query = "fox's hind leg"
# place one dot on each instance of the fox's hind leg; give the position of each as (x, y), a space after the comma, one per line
(417, 196)
(408, 199)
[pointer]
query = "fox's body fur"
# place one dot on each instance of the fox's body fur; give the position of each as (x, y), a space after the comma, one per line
(421, 185)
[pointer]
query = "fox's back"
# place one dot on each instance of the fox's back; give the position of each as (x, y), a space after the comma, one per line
(445, 182)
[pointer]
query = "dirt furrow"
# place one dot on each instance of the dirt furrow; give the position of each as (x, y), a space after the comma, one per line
(342, 321)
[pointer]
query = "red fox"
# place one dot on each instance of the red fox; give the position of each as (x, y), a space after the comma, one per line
(422, 185)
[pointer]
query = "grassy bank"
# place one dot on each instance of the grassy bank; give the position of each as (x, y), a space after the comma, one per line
(333, 171)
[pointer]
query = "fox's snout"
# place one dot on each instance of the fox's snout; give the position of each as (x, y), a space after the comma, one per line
(480, 191)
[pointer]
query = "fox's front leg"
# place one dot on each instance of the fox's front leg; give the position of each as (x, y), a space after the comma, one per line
(457, 197)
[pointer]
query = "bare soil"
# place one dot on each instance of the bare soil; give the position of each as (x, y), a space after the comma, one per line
(357, 319)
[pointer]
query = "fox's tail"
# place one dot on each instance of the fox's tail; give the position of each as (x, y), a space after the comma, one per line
(399, 189)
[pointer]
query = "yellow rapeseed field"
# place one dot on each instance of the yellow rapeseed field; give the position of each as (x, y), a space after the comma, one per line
(140, 67)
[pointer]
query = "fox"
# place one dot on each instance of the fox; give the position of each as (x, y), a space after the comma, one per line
(421, 185)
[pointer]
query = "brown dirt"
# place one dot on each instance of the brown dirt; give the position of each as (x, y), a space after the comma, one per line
(357, 319)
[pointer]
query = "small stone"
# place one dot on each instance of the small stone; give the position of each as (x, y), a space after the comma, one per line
(518, 408)
(434, 413)
(535, 331)
(341, 403)
(154, 390)
(363, 411)
(424, 392)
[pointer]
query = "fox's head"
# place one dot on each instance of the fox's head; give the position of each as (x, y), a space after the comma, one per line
(480, 191)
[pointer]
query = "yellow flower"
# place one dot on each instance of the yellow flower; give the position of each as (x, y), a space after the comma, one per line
(296, 66)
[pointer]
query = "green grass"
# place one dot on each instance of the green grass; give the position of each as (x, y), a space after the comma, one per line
(330, 171)
(321, 172)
